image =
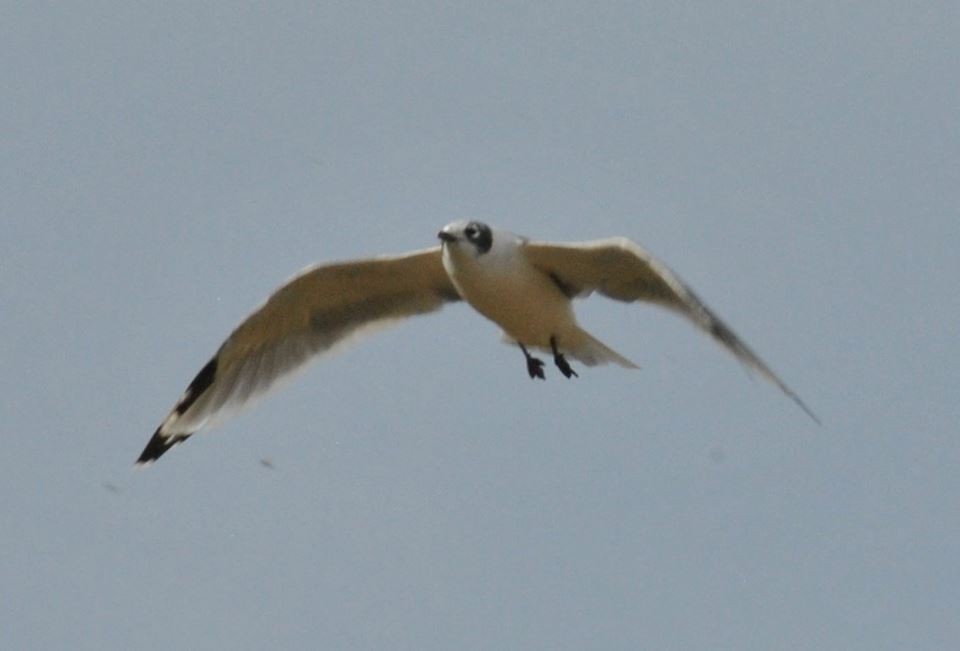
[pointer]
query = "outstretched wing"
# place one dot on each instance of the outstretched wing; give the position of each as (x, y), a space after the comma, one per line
(622, 270)
(313, 312)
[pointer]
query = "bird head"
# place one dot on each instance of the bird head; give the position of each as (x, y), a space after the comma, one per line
(473, 235)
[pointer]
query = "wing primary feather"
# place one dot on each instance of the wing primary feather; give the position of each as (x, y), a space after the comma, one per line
(200, 383)
(724, 335)
(157, 447)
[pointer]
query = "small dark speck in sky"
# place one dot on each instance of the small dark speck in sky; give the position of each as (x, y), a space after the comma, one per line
(111, 487)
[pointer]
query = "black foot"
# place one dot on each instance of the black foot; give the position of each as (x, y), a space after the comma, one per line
(561, 361)
(534, 365)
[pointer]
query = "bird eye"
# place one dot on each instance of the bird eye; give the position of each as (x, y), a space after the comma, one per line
(470, 231)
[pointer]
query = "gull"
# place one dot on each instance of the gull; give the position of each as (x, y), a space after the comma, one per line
(525, 287)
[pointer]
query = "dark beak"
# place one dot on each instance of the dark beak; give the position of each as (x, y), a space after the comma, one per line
(447, 237)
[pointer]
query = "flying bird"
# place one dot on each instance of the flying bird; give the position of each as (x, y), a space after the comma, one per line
(525, 287)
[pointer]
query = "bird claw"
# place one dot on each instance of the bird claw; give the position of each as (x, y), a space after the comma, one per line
(561, 361)
(535, 368)
(564, 366)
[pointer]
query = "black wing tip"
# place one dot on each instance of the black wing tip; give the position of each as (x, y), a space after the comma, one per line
(200, 383)
(157, 447)
(159, 444)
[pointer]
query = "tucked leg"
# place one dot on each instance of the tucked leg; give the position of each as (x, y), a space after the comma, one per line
(561, 361)
(534, 365)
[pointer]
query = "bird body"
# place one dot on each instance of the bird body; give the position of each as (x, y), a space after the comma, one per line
(500, 283)
(525, 287)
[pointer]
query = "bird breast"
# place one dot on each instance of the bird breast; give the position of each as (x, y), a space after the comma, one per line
(526, 303)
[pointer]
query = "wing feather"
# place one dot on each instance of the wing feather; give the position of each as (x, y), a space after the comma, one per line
(316, 310)
(624, 271)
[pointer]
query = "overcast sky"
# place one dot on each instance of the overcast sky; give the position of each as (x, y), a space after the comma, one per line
(165, 167)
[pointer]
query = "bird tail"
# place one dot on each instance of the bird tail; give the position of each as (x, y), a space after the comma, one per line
(592, 352)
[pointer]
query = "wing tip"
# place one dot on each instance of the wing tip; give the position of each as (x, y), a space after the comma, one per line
(159, 443)
(157, 446)
(805, 408)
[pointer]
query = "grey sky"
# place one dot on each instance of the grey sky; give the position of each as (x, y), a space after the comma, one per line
(164, 168)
